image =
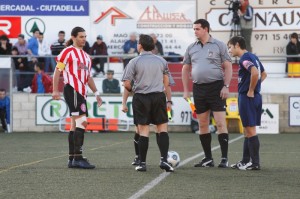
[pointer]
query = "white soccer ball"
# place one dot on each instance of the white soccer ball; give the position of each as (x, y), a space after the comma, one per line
(173, 158)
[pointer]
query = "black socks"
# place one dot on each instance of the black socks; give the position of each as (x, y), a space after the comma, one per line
(253, 144)
(246, 154)
(78, 143)
(206, 144)
(223, 140)
(143, 148)
(136, 144)
(71, 145)
(163, 144)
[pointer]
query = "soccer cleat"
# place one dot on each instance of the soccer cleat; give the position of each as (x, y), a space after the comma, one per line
(235, 166)
(239, 164)
(166, 166)
(243, 166)
(223, 163)
(136, 161)
(206, 162)
(253, 167)
(70, 164)
(82, 164)
(141, 167)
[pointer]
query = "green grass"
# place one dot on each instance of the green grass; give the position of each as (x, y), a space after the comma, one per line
(34, 165)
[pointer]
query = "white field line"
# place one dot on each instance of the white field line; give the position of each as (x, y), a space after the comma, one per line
(162, 176)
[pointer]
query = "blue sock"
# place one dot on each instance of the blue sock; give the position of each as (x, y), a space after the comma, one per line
(246, 154)
(253, 145)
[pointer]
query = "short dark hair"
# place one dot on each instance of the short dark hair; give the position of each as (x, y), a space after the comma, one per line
(36, 30)
(61, 32)
(294, 35)
(238, 40)
(40, 65)
(204, 23)
(147, 42)
(4, 37)
(15, 49)
(2, 90)
(21, 35)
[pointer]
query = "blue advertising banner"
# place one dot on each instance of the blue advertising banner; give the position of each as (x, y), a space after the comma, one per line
(44, 7)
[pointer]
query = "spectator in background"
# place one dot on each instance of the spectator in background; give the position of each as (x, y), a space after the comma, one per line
(20, 67)
(21, 44)
(87, 47)
(110, 85)
(158, 48)
(33, 43)
(41, 83)
(5, 111)
(5, 46)
(130, 48)
(246, 19)
(59, 44)
(44, 50)
(99, 48)
(293, 48)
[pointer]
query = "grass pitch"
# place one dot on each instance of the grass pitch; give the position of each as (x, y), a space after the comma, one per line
(34, 165)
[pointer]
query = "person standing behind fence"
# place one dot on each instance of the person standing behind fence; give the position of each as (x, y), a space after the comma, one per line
(150, 76)
(293, 48)
(76, 66)
(5, 111)
(99, 48)
(251, 75)
(5, 46)
(130, 48)
(33, 44)
(44, 50)
(41, 82)
(246, 19)
(158, 49)
(110, 84)
(21, 44)
(57, 46)
(206, 59)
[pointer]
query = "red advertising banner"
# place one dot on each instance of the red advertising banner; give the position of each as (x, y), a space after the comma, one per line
(10, 26)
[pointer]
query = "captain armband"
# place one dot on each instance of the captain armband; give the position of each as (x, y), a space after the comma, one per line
(60, 66)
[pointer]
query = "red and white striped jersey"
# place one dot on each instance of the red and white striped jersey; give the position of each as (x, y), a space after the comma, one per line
(77, 68)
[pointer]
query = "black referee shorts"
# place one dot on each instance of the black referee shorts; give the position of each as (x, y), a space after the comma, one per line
(75, 101)
(207, 97)
(149, 108)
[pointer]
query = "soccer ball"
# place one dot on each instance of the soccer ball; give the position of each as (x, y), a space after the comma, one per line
(173, 158)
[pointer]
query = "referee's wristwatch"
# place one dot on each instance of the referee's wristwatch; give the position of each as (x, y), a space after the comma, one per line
(227, 86)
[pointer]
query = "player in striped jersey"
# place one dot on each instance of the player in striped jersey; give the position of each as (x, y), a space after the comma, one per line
(76, 66)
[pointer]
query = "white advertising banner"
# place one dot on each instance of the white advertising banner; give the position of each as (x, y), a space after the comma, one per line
(5, 62)
(269, 119)
(48, 111)
(294, 107)
(273, 22)
(51, 25)
(171, 21)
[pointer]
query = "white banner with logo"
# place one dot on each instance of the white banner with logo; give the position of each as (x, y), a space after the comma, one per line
(171, 21)
(269, 119)
(48, 111)
(294, 107)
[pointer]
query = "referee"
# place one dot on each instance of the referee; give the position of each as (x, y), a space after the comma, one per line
(76, 67)
(150, 76)
(206, 59)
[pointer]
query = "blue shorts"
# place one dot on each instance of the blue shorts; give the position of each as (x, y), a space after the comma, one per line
(250, 109)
